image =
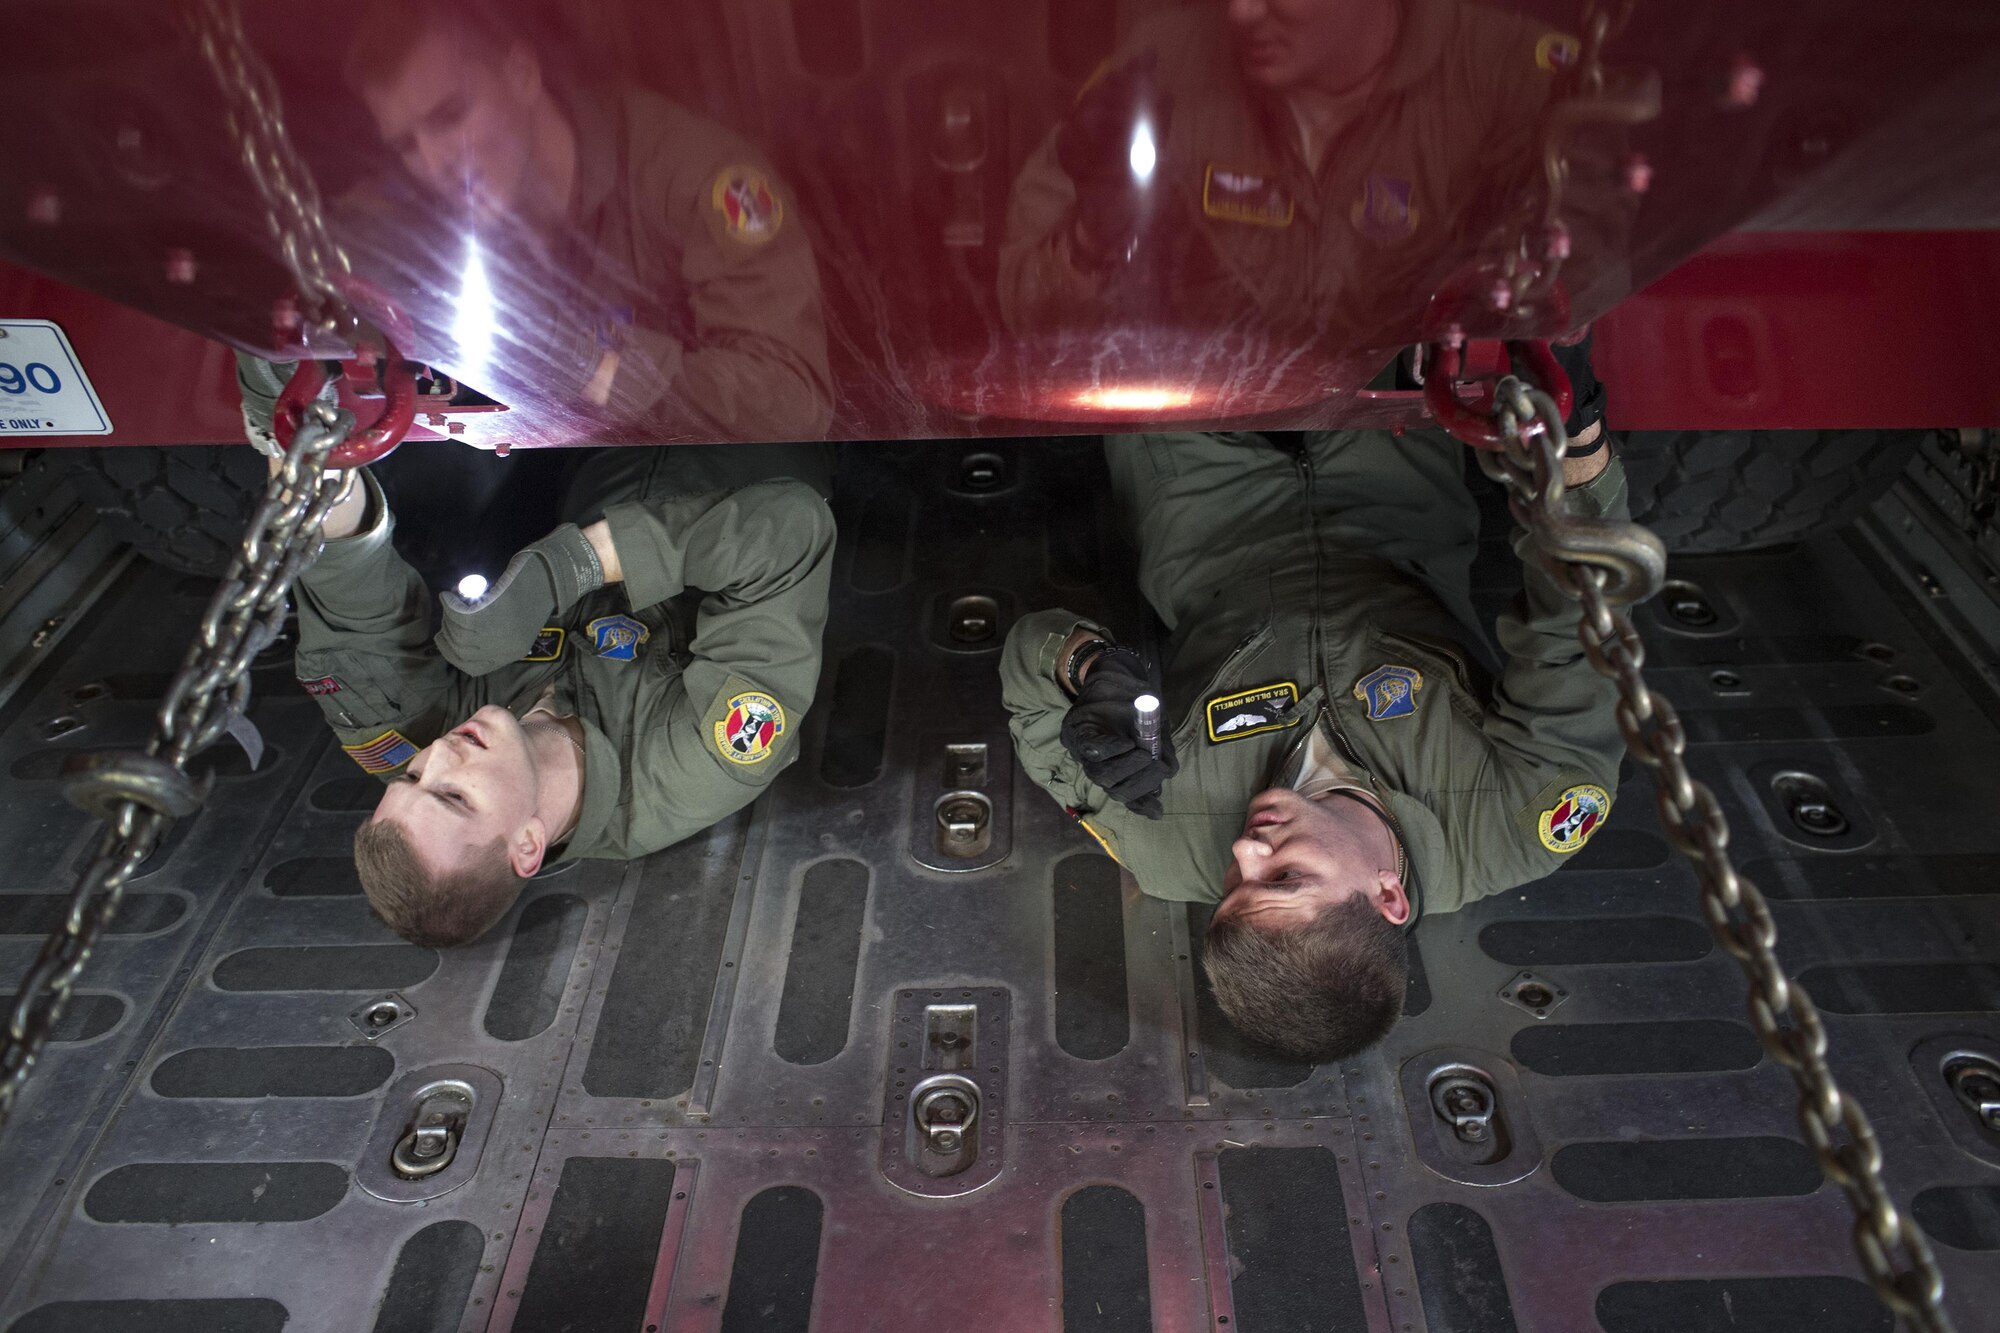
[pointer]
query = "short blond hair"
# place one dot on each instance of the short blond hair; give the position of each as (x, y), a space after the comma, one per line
(433, 910)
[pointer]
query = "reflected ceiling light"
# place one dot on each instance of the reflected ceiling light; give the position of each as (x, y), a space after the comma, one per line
(1135, 398)
(1145, 156)
(472, 326)
(472, 587)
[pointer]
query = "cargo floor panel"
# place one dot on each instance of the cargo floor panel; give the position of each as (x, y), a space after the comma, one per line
(682, 1088)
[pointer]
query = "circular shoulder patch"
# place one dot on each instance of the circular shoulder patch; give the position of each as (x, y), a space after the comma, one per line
(1556, 52)
(753, 726)
(748, 208)
(1577, 815)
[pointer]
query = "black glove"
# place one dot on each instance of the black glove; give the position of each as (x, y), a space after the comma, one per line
(1114, 206)
(541, 585)
(1587, 400)
(1101, 730)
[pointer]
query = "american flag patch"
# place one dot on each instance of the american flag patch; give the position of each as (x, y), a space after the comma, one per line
(385, 754)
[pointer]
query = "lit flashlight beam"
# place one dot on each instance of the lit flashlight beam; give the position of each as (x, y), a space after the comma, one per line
(1145, 154)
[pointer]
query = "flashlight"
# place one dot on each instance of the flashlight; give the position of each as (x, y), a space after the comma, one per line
(1147, 706)
(472, 587)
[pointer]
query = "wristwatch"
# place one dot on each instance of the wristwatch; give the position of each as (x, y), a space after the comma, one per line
(1086, 652)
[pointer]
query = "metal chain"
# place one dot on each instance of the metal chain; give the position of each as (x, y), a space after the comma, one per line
(1574, 554)
(139, 795)
(290, 196)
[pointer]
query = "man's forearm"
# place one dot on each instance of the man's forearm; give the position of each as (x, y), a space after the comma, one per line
(345, 518)
(1577, 471)
(598, 535)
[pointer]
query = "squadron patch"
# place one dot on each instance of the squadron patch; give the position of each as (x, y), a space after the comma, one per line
(1233, 195)
(1390, 691)
(749, 208)
(1556, 52)
(617, 637)
(385, 754)
(324, 685)
(1385, 211)
(1568, 826)
(548, 645)
(1231, 717)
(753, 726)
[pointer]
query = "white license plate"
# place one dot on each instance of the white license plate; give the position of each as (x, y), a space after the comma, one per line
(43, 390)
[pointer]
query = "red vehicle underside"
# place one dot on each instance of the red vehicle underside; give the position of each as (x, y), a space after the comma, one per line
(1783, 259)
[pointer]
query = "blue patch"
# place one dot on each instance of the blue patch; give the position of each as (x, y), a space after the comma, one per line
(1390, 691)
(1387, 209)
(617, 637)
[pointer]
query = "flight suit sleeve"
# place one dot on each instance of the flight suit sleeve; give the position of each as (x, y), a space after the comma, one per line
(755, 366)
(365, 651)
(763, 557)
(1036, 706)
(1551, 731)
(1041, 285)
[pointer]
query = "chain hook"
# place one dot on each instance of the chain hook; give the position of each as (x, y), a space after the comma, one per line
(399, 410)
(1476, 421)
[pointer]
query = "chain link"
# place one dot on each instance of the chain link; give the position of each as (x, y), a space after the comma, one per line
(140, 795)
(292, 210)
(1893, 1252)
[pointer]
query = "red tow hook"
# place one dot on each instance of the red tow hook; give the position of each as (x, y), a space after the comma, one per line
(366, 444)
(1473, 421)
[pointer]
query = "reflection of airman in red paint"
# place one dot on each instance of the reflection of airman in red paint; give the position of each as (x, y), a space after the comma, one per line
(1316, 161)
(679, 292)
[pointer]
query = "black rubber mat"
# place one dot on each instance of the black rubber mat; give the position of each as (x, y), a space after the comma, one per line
(857, 712)
(529, 990)
(1749, 1168)
(1291, 1263)
(346, 795)
(36, 914)
(881, 538)
(1965, 1217)
(1621, 849)
(156, 860)
(90, 1014)
(1233, 1058)
(432, 1280)
(1905, 988)
(1602, 939)
(248, 1314)
(1878, 876)
(1418, 997)
(776, 1267)
(1104, 1272)
(648, 1038)
(174, 1192)
(818, 1000)
(1686, 1047)
(1718, 726)
(355, 967)
(274, 1071)
(313, 877)
(1092, 1021)
(1738, 1304)
(226, 760)
(1458, 1271)
(594, 1265)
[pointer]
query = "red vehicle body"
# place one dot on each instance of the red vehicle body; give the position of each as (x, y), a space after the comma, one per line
(126, 216)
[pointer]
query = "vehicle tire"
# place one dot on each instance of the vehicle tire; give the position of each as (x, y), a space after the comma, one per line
(1707, 491)
(183, 506)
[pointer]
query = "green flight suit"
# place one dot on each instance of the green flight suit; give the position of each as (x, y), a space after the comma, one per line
(700, 270)
(1339, 576)
(682, 724)
(1253, 236)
